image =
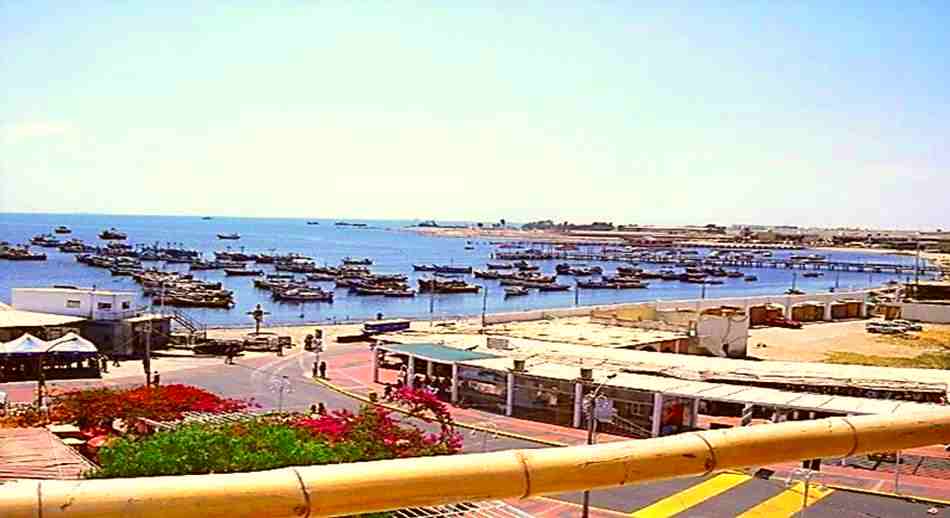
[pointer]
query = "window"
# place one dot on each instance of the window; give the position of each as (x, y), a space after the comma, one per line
(126, 305)
(73, 304)
(105, 305)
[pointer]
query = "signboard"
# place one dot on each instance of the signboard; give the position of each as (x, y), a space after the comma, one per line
(603, 408)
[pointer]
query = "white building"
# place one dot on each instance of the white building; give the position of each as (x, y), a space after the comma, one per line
(79, 302)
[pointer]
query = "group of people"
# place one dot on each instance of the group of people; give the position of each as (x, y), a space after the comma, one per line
(438, 385)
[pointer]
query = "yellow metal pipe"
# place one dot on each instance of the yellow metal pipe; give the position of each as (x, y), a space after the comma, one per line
(384, 485)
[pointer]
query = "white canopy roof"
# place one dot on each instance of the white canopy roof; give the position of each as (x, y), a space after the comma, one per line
(27, 344)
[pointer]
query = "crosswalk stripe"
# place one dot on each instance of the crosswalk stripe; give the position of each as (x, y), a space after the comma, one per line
(691, 496)
(788, 502)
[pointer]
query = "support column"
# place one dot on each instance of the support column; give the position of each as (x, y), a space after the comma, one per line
(376, 366)
(788, 308)
(510, 395)
(411, 372)
(657, 413)
(694, 418)
(455, 383)
(430, 368)
(827, 315)
(578, 403)
(864, 308)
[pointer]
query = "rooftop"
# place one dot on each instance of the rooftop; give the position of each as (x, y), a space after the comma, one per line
(76, 290)
(38, 454)
(437, 352)
(19, 318)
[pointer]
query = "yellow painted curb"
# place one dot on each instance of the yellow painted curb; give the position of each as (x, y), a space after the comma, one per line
(460, 424)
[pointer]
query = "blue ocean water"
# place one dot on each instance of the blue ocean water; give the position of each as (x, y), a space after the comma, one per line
(392, 249)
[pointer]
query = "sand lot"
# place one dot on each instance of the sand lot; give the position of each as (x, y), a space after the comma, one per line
(814, 341)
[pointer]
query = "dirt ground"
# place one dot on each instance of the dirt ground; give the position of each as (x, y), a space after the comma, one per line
(815, 341)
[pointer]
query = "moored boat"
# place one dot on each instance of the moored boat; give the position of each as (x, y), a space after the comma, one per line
(241, 272)
(516, 291)
(62, 229)
(112, 233)
(232, 235)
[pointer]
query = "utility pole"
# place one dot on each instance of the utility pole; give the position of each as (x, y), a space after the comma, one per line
(591, 429)
(147, 362)
(484, 303)
(917, 270)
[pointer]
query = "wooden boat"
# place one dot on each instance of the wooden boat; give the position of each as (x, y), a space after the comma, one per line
(303, 295)
(204, 265)
(206, 218)
(46, 241)
(554, 287)
(111, 234)
(241, 272)
(400, 293)
(62, 229)
(320, 277)
(233, 235)
(485, 274)
(751, 278)
(794, 291)
(446, 268)
(516, 291)
(500, 266)
(424, 267)
(357, 261)
(313, 222)
(812, 275)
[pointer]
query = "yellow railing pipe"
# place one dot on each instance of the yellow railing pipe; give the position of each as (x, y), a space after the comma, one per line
(392, 484)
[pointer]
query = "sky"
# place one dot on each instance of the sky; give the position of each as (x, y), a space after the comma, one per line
(668, 113)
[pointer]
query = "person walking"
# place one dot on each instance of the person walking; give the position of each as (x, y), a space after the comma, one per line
(323, 370)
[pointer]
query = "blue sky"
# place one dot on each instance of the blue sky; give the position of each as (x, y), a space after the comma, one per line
(690, 112)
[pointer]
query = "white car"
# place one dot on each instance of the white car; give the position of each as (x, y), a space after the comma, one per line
(908, 325)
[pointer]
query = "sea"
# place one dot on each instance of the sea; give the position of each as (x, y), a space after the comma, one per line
(391, 246)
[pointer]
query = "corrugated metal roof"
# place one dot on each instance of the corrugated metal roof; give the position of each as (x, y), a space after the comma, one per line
(36, 453)
(436, 352)
(714, 391)
(20, 318)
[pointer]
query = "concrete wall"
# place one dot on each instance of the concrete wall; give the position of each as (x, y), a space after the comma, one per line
(714, 332)
(79, 303)
(931, 313)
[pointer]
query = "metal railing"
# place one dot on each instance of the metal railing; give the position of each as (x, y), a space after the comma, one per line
(363, 487)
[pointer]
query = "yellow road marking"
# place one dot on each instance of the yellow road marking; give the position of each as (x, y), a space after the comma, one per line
(788, 502)
(691, 496)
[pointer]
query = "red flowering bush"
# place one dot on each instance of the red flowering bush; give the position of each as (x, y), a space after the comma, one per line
(377, 435)
(97, 408)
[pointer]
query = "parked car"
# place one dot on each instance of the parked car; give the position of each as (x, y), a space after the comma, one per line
(784, 322)
(908, 325)
(884, 328)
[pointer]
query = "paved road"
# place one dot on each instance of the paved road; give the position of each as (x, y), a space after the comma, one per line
(712, 496)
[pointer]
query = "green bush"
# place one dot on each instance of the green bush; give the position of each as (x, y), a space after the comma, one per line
(231, 448)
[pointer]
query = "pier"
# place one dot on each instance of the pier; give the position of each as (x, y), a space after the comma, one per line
(693, 261)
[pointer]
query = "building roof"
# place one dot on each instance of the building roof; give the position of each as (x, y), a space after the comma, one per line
(107, 293)
(728, 370)
(38, 454)
(436, 352)
(715, 391)
(20, 318)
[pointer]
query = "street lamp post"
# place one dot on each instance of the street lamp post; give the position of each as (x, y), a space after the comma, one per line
(591, 429)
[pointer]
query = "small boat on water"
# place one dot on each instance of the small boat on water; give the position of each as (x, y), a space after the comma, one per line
(554, 287)
(233, 235)
(500, 266)
(240, 272)
(358, 261)
(46, 241)
(516, 291)
(112, 233)
(812, 275)
(751, 278)
(313, 222)
(206, 217)
(62, 229)
(794, 291)
(405, 293)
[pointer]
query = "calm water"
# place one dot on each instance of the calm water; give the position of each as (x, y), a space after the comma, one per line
(392, 250)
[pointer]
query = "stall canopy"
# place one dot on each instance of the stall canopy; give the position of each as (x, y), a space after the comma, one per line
(70, 344)
(435, 352)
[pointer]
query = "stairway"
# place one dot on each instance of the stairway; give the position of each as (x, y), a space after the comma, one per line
(196, 330)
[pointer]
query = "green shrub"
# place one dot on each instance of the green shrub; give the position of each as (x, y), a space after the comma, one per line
(231, 448)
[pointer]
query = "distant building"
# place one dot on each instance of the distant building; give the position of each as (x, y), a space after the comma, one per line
(77, 302)
(112, 320)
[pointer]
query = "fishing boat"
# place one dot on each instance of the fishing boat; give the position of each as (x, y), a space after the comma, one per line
(232, 236)
(424, 267)
(367, 290)
(500, 266)
(404, 293)
(112, 233)
(485, 274)
(735, 274)
(812, 275)
(302, 295)
(470, 247)
(446, 268)
(241, 272)
(357, 261)
(321, 277)
(751, 278)
(62, 229)
(554, 287)
(204, 265)
(46, 241)
(313, 222)
(516, 291)
(206, 218)
(794, 291)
